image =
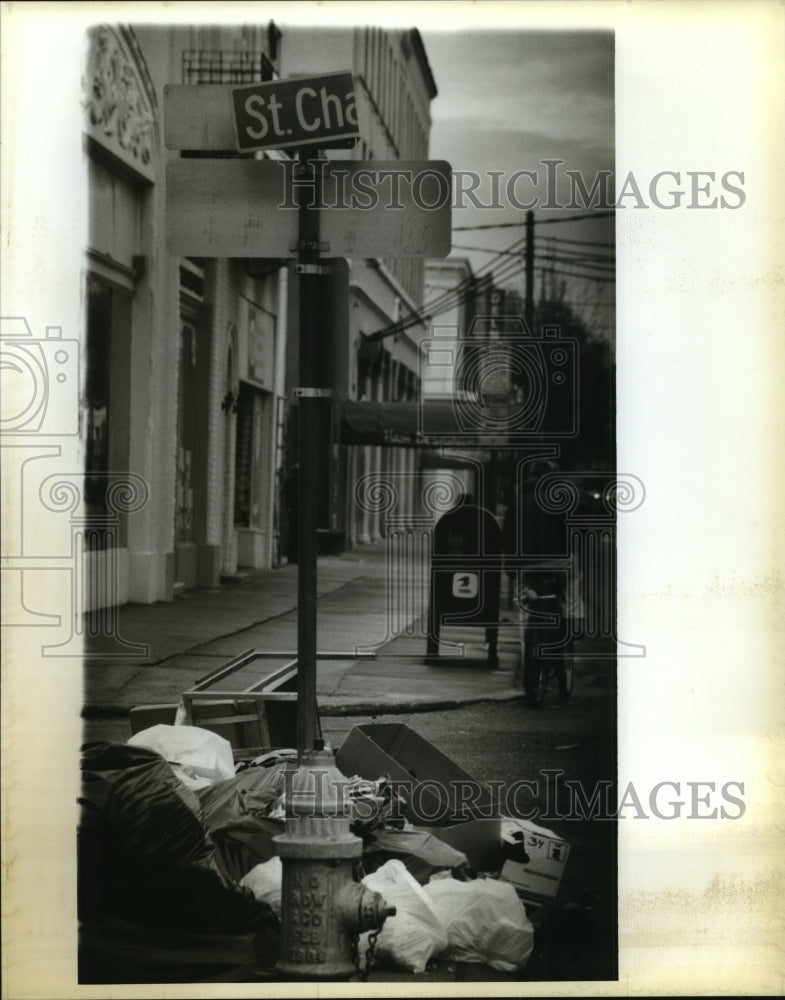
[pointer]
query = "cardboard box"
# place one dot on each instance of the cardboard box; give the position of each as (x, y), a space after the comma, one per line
(478, 839)
(441, 797)
(535, 859)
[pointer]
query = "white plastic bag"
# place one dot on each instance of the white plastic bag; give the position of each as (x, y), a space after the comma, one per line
(415, 934)
(196, 755)
(485, 922)
(265, 881)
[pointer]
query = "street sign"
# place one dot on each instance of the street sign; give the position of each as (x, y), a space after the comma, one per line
(387, 208)
(294, 112)
(201, 117)
(228, 208)
(246, 208)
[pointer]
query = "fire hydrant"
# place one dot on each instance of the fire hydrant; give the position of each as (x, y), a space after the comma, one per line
(323, 908)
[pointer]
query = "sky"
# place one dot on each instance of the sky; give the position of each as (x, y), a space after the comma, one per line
(509, 100)
(530, 94)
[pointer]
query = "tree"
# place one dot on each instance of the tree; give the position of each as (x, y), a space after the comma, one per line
(594, 447)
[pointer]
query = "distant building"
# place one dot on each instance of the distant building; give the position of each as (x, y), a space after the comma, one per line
(450, 294)
(468, 311)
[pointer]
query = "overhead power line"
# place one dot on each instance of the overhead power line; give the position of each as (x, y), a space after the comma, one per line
(504, 271)
(580, 243)
(462, 292)
(537, 222)
(452, 297)
(459, 295)
(455, 296)
(606, 266)
(588, 258)
(588, 277)
(469, 283)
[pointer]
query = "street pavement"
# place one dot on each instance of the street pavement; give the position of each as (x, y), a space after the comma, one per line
(360, 607)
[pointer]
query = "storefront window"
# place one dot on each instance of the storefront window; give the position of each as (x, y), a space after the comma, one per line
(187, 432)
(248, 458)
(96, 396)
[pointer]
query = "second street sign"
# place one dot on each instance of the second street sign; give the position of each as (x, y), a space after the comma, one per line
(294, 112)
(368, 208)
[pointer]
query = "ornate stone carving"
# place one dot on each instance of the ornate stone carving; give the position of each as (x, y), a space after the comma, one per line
(115, 101)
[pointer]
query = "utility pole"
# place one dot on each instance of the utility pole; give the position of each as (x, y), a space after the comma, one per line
(529, 261)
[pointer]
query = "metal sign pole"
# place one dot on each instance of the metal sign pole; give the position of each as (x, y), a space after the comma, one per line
(309, 290)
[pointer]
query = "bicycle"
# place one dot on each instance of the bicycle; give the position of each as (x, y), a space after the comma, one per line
(541, 614)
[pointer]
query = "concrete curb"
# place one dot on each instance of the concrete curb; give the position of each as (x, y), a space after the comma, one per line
(118, 711)
(411, 707)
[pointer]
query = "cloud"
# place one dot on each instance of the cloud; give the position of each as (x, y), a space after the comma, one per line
(558, 85)
(511, 149)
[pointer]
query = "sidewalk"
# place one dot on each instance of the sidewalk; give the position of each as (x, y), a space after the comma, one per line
(359, 606)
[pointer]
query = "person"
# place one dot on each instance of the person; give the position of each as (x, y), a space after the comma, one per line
(533, 534)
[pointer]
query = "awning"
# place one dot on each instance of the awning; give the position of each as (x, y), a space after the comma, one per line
(417, 425)
(438, 458)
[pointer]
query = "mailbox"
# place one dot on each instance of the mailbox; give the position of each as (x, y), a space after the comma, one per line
(465, 581)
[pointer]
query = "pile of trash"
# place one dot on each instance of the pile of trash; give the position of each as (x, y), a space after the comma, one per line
(175, 837)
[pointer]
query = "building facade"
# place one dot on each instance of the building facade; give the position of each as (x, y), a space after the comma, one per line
(183, 381)
(189, 363)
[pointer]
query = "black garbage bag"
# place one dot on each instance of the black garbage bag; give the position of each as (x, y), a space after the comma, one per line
(243, 843)
(145, 860)
(257, 791)
(236, 814)
(142, 807)
(421, 853)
